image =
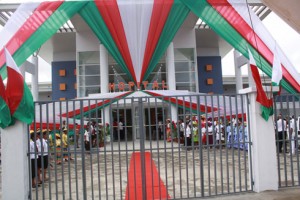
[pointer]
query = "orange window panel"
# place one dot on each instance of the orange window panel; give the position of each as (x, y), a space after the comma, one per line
(62, 72)
(208, 68)
(62, 86)
(210, 81)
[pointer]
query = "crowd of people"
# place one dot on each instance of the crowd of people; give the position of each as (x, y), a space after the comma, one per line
(211, 132)
(287, 130)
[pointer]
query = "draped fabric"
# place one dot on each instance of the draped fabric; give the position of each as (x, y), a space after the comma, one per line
(47, 18)
(231, 20)
(138, 32)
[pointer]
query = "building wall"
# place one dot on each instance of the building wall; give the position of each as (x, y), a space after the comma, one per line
(210, 74)
(63, 80)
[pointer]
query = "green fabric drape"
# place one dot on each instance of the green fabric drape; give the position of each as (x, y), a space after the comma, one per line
(93, 18)
(45, 32)
(217, 23)
(175, 19)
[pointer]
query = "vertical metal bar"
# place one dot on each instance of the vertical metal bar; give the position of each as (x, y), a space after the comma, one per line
(284, 147)
(249, 142)
(238, 144)
(186, 153)
(133, 107)
(214, 144)
(178, 142)
(150, 139)
(119, 145)
(68, 149)
(55, 152)
(62, 153)
(208, 146)
(220, 128)
(244, 142)
(75, 154)
(142, 147)
(179, 153)
(172, 149)
(297, 139)
(232, 148)
(193, 145)
(99, 131)
(105, 150)
(112, 155)
(165, 150)
(158, 148)
(41, 154)
(226, 141)
(84, 189)
(201, 167)
(126, 147)
(277, 141)
(91, 148)
(290, 140)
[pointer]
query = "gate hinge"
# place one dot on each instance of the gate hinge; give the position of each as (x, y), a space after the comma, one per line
(251, 143)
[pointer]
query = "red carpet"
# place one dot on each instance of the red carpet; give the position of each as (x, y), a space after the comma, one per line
(154, 189)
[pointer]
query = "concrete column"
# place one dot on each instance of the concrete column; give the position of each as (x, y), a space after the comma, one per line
(238, 72)
(250, 77)
(171, 78)
(104, 80)
(35, 79)
(264, 161)
(15, 171)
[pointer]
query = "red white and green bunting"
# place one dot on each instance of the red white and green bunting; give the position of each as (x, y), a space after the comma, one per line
(137, 33)
(231, 20)
(262, 98)
(19, 97)
(5, 118)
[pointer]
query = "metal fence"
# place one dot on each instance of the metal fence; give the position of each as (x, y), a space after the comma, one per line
(177, 147)
(287, 130)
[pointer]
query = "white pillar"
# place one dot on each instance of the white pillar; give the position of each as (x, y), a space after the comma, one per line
(15, 170)
(35, 79)
(250, 77)
(264, 161)
(238, 72)
(171, 78)
(104, 80)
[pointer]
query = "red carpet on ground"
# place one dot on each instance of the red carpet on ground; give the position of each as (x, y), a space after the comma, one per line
(155, 188)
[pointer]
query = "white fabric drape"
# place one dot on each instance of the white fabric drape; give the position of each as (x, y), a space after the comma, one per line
(242, 9)
(136, 17)
(16, 21)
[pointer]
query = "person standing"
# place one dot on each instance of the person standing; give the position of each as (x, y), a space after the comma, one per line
(45, 159)
(291, 133)
(65, 142)
(39, 144)
(281, 128)
(188, 133)
(121, 128)
(33, 157)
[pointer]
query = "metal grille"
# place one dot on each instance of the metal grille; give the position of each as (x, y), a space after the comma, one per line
(286, 121)
(149, 158)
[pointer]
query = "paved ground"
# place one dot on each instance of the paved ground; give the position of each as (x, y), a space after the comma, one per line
(281, 194)
(104, 173)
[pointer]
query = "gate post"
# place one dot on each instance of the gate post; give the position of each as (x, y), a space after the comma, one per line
(15, 168)
(263, 149)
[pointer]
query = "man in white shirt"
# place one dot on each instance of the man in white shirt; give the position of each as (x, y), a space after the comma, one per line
(121, 128)
(281, 128)
(292, 134)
